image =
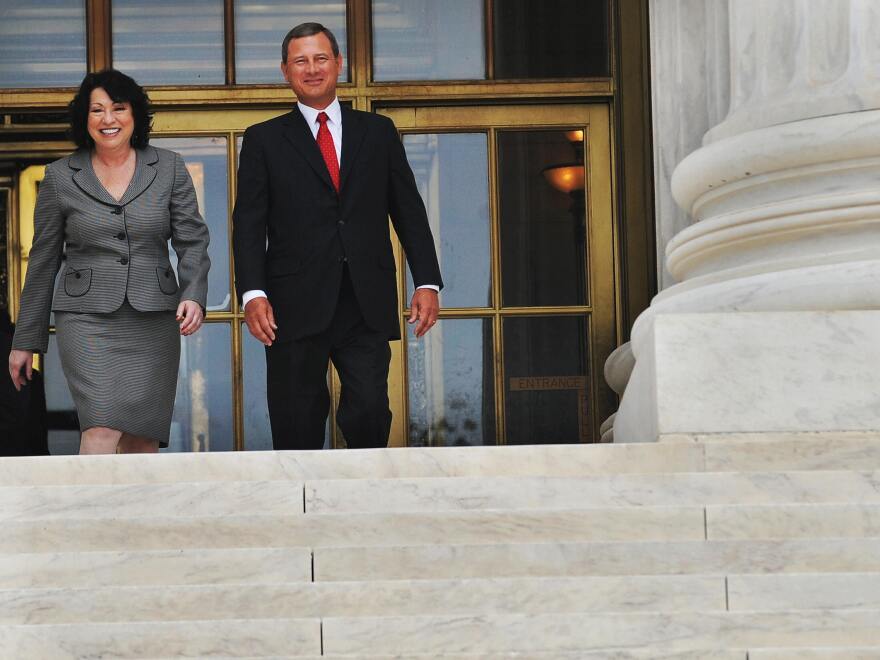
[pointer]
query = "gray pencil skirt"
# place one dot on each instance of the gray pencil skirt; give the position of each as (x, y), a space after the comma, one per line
(121, 369)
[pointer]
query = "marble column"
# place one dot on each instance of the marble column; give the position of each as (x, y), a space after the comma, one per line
(783, 251)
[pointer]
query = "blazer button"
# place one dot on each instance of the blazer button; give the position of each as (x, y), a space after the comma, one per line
(121, 235)
(117, 210)
(343, 259)
(340, 222)
(124, 261)
(77, 275)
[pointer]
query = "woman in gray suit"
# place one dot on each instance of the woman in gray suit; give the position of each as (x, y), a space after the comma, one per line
(106, 213)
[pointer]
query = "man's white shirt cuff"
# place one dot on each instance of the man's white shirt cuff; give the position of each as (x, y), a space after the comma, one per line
(247, 296)
(433, 287)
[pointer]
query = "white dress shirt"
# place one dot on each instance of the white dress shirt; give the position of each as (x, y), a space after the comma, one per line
(334, 125)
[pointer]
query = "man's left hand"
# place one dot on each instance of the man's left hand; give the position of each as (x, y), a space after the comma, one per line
(424, 308)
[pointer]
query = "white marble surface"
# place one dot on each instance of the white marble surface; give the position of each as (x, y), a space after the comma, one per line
(321, 530)
(183, 498)
(608, 654)
(367, 598)
(790, 521)
(692, 489)
(189, 639)
(623, 558)
(859, 591)
(758, 372)
(843, 652)
(791, 451)
(567, 632)
(526, 460)
(690, 93)
(132, 567)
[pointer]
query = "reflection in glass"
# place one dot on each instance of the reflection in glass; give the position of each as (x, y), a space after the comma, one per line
(546, 385)
(543, 231)
(203, 408)
(452, 173)
(205, 159)
(42, 44)
(169, 42)
(551, 39)
(257, 430)
(451, 384)
(260, 27)
(61, 418)
(428, 40)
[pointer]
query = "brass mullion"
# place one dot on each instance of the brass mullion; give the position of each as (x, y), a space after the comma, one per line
(495, 274)
(229, 40)
(237, 338)
(489, 33)
(99, 38)
(359, 42)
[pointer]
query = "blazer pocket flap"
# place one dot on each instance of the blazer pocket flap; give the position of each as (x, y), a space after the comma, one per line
(77, 282)
(167, 281)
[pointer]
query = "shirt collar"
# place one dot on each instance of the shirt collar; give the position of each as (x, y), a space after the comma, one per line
(334, 112)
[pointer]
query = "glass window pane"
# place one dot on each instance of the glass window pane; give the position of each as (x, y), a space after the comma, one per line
(546, 384)
(61, 418)
(428, 40)
(551, 39)
(206, 160)
(203, 408)
(452, 384)
(452, 173)
(261, 25)
(257, 430)
(169, 42)
(543, 230)
(42, 44)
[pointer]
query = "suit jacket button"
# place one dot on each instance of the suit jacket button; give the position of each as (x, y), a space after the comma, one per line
(124, 261)
(340, 222)
(120, 235)
(343, 259)
(117, 210)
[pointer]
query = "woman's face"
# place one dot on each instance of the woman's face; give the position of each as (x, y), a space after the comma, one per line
(110, 123)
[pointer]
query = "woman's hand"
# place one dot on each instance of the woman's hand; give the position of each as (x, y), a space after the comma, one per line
(17, 360)
(190, 316)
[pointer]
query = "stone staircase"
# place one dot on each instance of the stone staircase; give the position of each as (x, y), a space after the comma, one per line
(704, 549)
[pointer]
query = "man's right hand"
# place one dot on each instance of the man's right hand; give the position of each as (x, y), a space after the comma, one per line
(260, 320)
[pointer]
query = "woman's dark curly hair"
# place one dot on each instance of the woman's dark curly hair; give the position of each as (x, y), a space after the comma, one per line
(119, 87)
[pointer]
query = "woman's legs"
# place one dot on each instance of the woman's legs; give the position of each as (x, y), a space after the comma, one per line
(102, 440)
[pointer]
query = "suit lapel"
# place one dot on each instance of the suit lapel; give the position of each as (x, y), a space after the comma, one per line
(353, 133)
(298, 133)
(85, 178)
(144, 174)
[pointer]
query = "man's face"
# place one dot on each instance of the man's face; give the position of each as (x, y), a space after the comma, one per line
(311, 70)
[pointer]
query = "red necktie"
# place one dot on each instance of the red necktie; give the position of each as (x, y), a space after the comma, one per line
(328, 149)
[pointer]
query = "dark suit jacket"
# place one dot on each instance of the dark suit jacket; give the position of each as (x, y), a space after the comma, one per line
(114, 250)
(285, 195)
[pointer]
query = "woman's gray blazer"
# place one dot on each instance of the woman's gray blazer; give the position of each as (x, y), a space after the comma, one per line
(112, 250)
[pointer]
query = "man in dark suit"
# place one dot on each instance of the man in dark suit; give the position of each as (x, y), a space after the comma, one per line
(313, 256)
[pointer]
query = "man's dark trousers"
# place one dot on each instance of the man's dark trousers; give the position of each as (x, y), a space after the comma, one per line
(298, 397)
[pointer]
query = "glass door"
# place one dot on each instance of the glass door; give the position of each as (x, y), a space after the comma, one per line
(519, 200)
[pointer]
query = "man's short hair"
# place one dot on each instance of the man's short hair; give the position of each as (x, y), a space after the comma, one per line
(308, 30)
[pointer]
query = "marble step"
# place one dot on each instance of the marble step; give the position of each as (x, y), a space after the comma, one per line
(525, 460)
(373, 598)
(569, 632)
(185, 499)
(610, 654)
(842, 652)
(187, 639)
(404, 562)
(675, 489)
(803, 591)
(322, 530)
(793, 521)
(763, 453)
(155, 567)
